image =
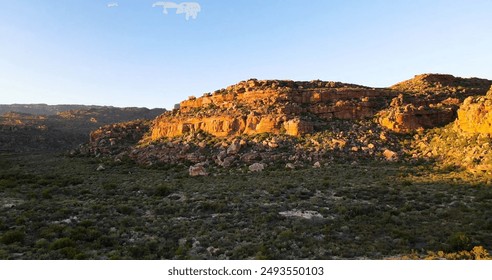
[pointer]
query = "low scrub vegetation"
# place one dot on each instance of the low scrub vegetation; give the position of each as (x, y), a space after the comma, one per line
(54, 207)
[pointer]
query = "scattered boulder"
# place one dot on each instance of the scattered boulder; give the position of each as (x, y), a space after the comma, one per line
(250, 157)
(301, 214)
(389, 155)
(234, 148)
(290, 166)
(227, 162)
(317, 165)
(256, 167)
(100, 168)
(197, 170)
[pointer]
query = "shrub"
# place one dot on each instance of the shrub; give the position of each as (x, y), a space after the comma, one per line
(61, 243)
(46, 193)
(125, 209)
(7, 183)
(163, 191)
(12, 236)
(459, 241)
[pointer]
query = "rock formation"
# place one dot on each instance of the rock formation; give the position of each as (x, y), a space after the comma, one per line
(115, 138)
(475, 115)
(279, 107)
(297, 108)
(294, 124)
(465, 143)
(429, 100)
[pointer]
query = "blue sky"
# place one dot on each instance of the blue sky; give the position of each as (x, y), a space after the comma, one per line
(81, 51)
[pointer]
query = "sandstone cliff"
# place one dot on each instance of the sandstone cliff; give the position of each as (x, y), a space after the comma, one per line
(475, 115)
(306, 123)
(429, 100)
(297, 108)
(279, 107)
(465, 143)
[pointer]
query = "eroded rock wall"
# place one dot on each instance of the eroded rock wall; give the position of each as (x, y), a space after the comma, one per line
(475, 115)
(254, 107)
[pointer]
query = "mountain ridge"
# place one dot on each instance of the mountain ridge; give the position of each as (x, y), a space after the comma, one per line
(45, 109)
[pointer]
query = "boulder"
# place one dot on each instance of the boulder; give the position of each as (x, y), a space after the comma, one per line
(250, 157)
(290, 166)
(389, 155)
(296, 127)
(234, 148)
(197, 170)
(301, 214)
(256, 167)
(227, 162)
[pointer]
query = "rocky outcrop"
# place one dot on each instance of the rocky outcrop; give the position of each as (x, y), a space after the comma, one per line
(116, 138)
(475, 115)
(341, 140)
(442, 86)
(408, 118)
(279, 107)
(429, 100)
(466, 142)
(254, 125)
(298, 108)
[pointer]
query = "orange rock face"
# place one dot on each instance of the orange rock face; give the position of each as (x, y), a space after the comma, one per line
(475, 115)
(428, 101)
(253, 107)
(297, 127)
(409, 118)
(296, 108)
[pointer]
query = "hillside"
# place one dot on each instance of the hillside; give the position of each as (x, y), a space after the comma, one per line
(42, 109)
(278, 122)
(63, 130)
(259, 170)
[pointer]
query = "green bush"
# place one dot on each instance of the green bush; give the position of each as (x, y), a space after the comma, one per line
(163, 191)
(459, 241)
(125, 209)
(13, 236)
(7, 183)
(61, 243)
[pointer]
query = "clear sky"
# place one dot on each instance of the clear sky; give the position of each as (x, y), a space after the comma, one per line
(131, 54)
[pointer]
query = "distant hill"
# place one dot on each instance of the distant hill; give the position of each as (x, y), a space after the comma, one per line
(43, 109)
(23, 128)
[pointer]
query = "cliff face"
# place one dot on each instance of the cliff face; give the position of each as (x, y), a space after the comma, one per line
(475, 115)
(297, 108)
(429, 100)
(253, 107)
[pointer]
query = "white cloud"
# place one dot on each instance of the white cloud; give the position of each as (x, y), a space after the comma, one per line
(113, 5)
(190, 9)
